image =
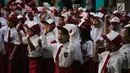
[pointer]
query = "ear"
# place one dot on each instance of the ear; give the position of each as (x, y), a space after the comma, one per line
(113, 46)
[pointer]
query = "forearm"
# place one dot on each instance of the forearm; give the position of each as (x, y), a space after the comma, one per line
(20, 36)
(31, 45)
(14, 49)
(106, 26)
(96, 53)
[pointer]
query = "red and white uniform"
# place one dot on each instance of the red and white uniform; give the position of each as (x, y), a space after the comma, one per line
(48, 54)
(2, 52)
(125, 51)
(63, 59)
(35, 56)
(87, 50)
(10, 40)
(114, 63)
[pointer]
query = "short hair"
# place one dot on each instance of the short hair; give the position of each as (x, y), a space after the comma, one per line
(128, 30)
(64, 30)
(44, 22)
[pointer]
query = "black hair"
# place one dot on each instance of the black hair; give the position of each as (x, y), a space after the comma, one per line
(64, 30)
(61, 17)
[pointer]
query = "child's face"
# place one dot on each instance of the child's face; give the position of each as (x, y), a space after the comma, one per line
(46, 26)
(96, 23)
(109, 46)
(10, 24)
(29, 32)
(114, 26)
(61, 21)
(62, 37)
(125, 36)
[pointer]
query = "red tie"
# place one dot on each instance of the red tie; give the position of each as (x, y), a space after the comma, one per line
(57, 55)
(105, 64)
(9, 36)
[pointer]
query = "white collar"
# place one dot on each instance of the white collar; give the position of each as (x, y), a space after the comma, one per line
(33, 37)
(114, 53)
(125, 45)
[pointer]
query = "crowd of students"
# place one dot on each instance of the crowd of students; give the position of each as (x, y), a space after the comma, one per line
(42, 40)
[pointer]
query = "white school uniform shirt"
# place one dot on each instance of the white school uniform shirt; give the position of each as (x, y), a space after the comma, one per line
(48, 53)
(14, 34)
(37, 52)
(66, 54)
(3, 21)
(2, 50)
(114, 64)
(87, 48)
(125, 51)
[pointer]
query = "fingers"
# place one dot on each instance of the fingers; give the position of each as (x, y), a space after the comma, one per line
(11, 57)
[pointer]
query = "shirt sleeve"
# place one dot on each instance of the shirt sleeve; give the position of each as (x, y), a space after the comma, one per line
(118, 66)
(100, 56)
(24, 40)
(77, 52)
(90, 49)
(2, 30)
(47, 45)
(35, 43)
(128, 57)
(16, 38)
(2, 50)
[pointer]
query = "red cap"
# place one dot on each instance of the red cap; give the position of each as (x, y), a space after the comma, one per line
(32, 4)
(102, 10)
(85, 25)
(124, 19)
(22, 4)
(35, 28)
(71, 20)
(12, 17)
(113, 37)
(14, 3)
(18, 8)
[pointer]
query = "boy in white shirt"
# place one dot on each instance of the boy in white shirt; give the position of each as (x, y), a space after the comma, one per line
(125, 49)
(111, 60)
(11, 43)
(63, 51)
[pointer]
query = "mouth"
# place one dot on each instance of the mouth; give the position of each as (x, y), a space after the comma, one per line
(60, 40)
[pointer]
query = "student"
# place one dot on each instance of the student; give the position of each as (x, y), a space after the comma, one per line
(63, 51)
(2, 53)
(115, 24)
(47, 54)
(125, 49)
(11, 43)
(34, 49)
(75, 36)
(111, 60)
(87, 47)
(22, 48)
(97, 30)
